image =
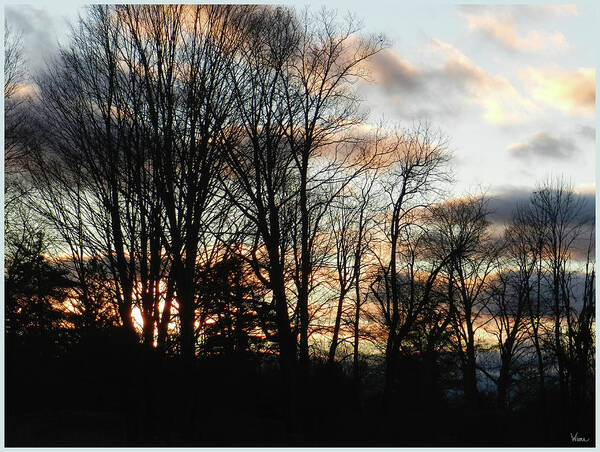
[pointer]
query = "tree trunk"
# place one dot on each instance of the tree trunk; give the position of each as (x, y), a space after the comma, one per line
(148, 319)
(163, 326)
(355, 370)
(536, 340)
(336, 329)
(502, 385)
(185, 299)
(470, 374)
(390, 370)
(304, 272)
(126, 320)
(287, 342)
(558, 342)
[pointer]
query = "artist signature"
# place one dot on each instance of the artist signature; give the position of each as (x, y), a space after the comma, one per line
(575, 438)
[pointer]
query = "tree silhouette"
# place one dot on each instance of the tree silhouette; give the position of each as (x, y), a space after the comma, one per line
(464, 236)
(418, 158)
(34, 288)
(231, 307)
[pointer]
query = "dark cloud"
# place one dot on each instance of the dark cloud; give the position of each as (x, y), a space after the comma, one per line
(545, 145)
(38, 33)
(393, 72)
(410, 91)
(503, 206)
(504, 203)
(577, 280)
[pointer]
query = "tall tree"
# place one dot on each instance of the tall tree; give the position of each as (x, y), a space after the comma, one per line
(515, 303)
(526, 232)
(296, 109)
(321, 107)
(561, 221)
(414, 176)
(464, 236)
(184, 54)
(351, 223)
(82, 147)
(258, 177)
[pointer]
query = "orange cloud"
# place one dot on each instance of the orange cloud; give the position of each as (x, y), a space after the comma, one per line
(586, 189)
(388, 68)
(502, 29)
(23, 90)
(567, 91)
(500, 101)
(445, 83)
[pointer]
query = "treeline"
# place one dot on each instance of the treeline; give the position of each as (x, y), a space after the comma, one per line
(200, 181)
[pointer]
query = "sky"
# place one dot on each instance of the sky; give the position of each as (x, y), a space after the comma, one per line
(512, 86)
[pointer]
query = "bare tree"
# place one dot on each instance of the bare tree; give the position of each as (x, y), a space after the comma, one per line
(82, 148)
(464, 235)
(365, 233)
(258, 178)
(561, 221)
(184, 55)
(417, 168)
(145, 108)
(507, 307)
(294, 101)
(351, 224)
(321, 107)
(15, 100)
(16, 123)
(581, 330)
(526, 242)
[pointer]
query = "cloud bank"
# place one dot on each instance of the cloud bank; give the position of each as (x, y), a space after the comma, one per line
(503, 203)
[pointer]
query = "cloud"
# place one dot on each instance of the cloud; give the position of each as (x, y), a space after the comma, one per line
(568, 91)
(586, 189)
(524, 12)
(544, 145)
(500, 101)
(504, 202)
(566, 9)
(588, 132)
(38, 33)
(502, 29)
(446, 86)
(391, 70)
